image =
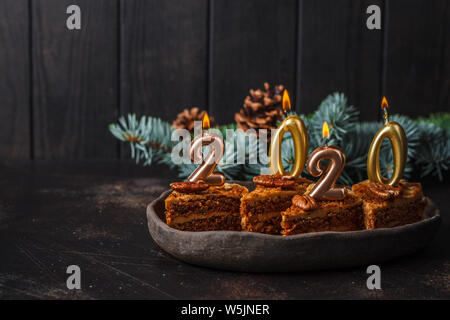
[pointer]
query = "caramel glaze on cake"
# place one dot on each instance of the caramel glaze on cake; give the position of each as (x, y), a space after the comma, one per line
(388, 206)
(261, 209)
(216, 208)
(309, 215)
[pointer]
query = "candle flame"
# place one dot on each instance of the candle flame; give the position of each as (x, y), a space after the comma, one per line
(205, 123)
(286, 101)
(384, 103)
(325, 131)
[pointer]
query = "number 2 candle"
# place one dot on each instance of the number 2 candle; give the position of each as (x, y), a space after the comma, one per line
(205, 172)
(325, 188)
(395, 133)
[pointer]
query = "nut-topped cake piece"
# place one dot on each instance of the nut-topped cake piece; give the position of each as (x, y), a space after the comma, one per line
(307, 214)
(196, 206)
(388, 206)
(261, 209)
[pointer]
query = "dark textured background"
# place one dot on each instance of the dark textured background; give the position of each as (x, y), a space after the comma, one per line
(60, 89)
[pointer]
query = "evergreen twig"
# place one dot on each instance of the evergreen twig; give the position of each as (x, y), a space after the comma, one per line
(428, 142)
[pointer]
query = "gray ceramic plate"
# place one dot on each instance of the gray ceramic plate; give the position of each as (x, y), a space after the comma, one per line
(255, 252)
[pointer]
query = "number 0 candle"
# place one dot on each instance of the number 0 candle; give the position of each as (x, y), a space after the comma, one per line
(297, 128)
(395, 133)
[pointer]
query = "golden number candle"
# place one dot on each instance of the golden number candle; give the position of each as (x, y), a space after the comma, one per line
(297, 128)
(395, 133)
(325, 188)
(205, 172)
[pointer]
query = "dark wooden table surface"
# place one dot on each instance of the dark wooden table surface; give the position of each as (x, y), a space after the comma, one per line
(92, 214)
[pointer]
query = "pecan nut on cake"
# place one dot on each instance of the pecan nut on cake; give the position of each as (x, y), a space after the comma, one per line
(388, 206)
(196, 206)
(261, 209)
(310, 215)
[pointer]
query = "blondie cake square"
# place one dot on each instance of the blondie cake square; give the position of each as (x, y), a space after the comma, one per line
(309, 215)
(388, 206)
(261, 209)
(213, 208)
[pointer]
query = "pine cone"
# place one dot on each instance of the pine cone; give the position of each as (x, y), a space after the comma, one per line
(185, 119)
(261, 110)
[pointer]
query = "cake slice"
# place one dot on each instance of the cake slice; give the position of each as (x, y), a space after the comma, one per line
(388, 206)
(309, 215)
(261, 209)
(204, 208)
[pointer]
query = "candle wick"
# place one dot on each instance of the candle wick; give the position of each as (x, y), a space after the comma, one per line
(386, 115)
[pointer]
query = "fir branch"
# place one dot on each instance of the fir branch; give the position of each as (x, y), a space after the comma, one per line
(440, 119)
(148, 138)
(340, 117)
(428, 143)
(433, 156)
